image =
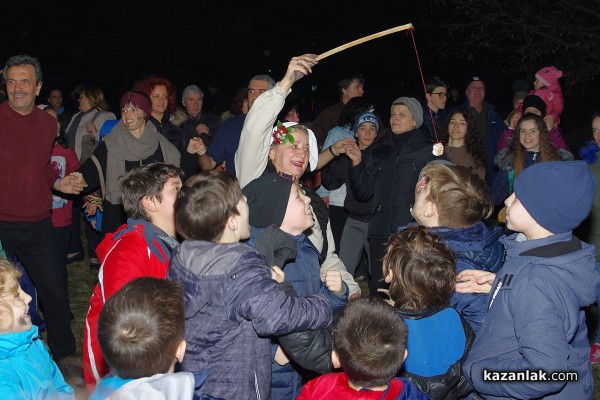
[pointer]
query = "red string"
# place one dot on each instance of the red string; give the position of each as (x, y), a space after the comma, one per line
(411, 29)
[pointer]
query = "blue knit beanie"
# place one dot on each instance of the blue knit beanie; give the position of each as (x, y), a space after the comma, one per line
(557, 194)
(365, 117)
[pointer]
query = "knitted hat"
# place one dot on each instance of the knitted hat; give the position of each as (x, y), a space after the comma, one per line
(557, 194)
(536, 102)
(313, 147)
(414, 107)
(548, 76)
(139, 99)
(268, 198)
(365, 117)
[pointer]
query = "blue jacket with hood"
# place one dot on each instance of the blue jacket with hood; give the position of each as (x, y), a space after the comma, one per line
(232, 306)
(474, 247)
(536, 320)
(304, 273)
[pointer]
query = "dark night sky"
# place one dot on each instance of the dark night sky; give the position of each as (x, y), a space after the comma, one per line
(113, 43)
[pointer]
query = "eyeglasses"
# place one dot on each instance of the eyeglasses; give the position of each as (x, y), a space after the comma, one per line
(441, 94)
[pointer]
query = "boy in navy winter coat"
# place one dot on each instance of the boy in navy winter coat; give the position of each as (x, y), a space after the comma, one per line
(533, 342)
(232, 304)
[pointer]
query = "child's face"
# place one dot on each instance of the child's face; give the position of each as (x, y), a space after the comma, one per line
(366, 134)
(419, 209)
(243, 221)
(169, 193)
(298, 215)
(538, 85)
(517, 217)
(20, 308)
(529, 135)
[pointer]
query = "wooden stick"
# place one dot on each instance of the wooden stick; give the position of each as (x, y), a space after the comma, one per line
(364, 39)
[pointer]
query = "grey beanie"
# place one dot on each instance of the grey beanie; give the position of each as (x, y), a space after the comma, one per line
(413, 106)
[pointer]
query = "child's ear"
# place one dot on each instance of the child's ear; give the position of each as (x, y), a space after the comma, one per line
(180, 353)
(6, 319)
(335, 360)
(149, 203)
(271, 151)
(389, 276)
(232, 223)
(430, 209)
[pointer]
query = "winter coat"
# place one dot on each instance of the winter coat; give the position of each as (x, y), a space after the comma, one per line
(390, 178)
(27, 370)
(536, 320)
(231, 306)
(337, 174)
(335, 386)
(135, 250)
(475, 247)
(305, 276)
(431, 334)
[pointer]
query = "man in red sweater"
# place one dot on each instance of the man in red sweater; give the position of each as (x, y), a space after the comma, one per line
(27, 136)
(142, 247)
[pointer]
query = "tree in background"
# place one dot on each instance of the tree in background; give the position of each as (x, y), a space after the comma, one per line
(516, 37)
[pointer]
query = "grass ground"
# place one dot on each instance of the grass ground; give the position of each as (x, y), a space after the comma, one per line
(82, 281)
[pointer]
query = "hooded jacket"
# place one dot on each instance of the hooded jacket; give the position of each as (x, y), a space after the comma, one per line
(135, 250)
(536, 320)
(231, 306)
(27, 370)
(474, 247)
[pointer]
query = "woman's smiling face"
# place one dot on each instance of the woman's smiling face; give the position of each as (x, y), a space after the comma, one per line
(291, 158)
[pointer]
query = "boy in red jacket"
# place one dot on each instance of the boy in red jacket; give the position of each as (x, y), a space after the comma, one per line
(369, 344)
(142, 247)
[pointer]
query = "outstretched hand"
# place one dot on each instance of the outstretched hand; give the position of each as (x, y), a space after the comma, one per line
(298, 67)
(474, 281)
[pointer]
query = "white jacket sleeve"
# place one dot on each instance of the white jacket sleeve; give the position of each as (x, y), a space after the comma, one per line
(253, 150)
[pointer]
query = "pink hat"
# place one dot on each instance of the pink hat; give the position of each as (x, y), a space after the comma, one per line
(548, 76)
(139, 99)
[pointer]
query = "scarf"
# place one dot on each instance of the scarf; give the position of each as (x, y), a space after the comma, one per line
(72, 132)
(122, 146)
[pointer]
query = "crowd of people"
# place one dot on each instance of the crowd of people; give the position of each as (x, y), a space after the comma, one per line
(253, 254)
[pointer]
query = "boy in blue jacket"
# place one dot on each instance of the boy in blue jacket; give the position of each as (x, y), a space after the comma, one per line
(534, 341)
(232, 304)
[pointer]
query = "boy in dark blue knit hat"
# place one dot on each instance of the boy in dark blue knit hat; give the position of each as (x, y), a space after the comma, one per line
(534, 342)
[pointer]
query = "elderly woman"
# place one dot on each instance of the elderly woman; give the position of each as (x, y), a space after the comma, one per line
(390, 176)
(258, 152)
(132, 142)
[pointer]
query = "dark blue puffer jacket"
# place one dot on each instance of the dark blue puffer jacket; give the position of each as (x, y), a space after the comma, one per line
(304, 273)
(475, 247)
(232, 306)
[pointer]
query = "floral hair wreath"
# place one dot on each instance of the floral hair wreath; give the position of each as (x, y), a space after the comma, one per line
(282, 134)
